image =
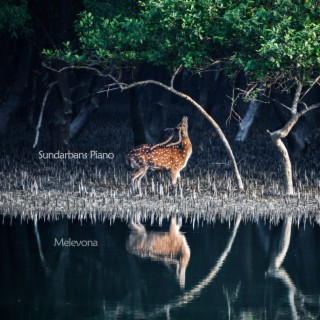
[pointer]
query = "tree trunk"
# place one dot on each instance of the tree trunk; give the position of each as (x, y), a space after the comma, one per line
(286, 163)
(33, 101)
(45, 98)
(304, 136)
(216, 93)
(83, 117)
(247, 121)
(276, 137)
(87, 107)
(280, 134)
(138, 129)
(212, 96)
(283, 245)
(15, 98)
(204, 82)
(157, 101)
(154, 132)
(62, 114)
(280, 273)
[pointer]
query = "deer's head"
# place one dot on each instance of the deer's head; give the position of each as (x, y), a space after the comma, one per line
(183, 126)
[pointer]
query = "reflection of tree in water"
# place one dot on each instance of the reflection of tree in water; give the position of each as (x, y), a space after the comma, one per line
(195, 292)
(114, 284)
(231, 298)
(297, 300)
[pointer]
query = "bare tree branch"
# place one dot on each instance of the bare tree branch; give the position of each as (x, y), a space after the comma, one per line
(294, 108)
(97, 71)
(312, 107)
(174, 75)
(307, 91)
(233, 114)
(45, 98)
(124, 86)
(248, 92)
(100, 91)
(280, 104)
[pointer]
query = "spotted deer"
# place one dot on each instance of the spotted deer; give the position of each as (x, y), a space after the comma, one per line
(169, 247)
(171, 157)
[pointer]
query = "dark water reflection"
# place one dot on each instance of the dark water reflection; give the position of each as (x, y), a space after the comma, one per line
(241, 271)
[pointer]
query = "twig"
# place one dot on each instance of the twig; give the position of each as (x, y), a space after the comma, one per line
(306, 92)
(312, 107)
(280, 104)
(100, 91)
(233, 113)
(174, 76)
(248, 92)
(77, 68)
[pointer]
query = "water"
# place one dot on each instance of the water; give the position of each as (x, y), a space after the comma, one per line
(236, 271)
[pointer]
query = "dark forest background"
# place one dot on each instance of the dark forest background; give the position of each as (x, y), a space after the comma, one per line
(28, 27)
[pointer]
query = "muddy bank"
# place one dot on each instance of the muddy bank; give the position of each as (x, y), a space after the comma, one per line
(96, 188)
(95, 206)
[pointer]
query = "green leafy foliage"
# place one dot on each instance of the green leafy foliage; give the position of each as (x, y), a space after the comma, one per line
(110, 8)
(271, 41)
(162, 32)
(277, 40)
(14, 17)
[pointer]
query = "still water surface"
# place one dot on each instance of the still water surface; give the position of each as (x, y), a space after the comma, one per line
(214, 271)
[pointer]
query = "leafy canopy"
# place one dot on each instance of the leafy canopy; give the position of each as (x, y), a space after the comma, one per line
(277, 40)
(14, 17)
(161, 32)
(271, 41)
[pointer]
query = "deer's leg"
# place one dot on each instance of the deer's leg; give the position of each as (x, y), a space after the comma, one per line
(136, 226)
(138, 175)
(141, 176)
(181, 275)
(174, 226)
(174, 176)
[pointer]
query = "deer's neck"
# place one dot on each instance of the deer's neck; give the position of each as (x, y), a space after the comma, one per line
(186, 144)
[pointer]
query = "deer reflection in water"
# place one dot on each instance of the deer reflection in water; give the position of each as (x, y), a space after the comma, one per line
(169, 247)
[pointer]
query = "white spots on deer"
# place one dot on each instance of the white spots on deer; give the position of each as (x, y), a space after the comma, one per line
(173, 157)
